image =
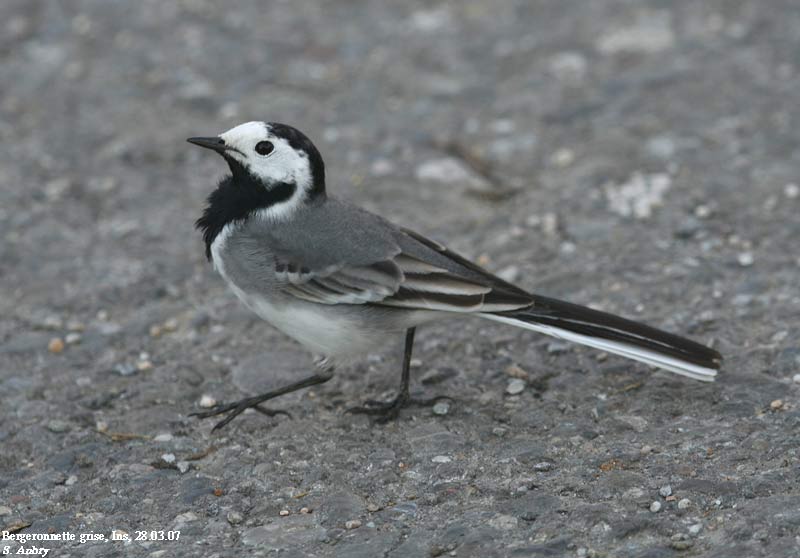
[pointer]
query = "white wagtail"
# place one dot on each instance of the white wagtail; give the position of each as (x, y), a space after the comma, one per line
(342, 281)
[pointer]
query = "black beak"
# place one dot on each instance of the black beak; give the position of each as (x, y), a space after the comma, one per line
(215, 144)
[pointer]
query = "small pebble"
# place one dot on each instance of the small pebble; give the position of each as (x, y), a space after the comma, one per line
(144, 365)
(646, 450)
(352, 524)
(543, 467)
(791, 191)
(441, 407)
(499, 431)
(305, 510)
(684, 503)
(183, 466)
(761, 535)
(155, 331)
(371, 507)
(207, 402)
(163, 438)
(283, 513)
(183, 518)
(53, 322)
(702, 211)
(371, 525)
(101, 426)
(234, 517)
(696, 528)
(510, 274)
(72, 338)
(382, 167)
(680, 541)
(745, 259)
(5, 510)
(515, 387)
(56, 345)
(437, 376)
(58, 426)
(515, 371)
(634, 493)
(556, 347)
(72, 479)
(779, 336)
(665, 491)
(125, 369)
(441, 459)
(796, 378)
(655, 507)
(168, 458)
(563, 157)
(776, 405)
(171, 325)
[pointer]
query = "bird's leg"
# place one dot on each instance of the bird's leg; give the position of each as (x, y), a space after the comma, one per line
(389, 410)
(238, 407)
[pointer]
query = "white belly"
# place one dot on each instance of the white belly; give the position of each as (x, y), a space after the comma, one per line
(317, 327)
(324, 330)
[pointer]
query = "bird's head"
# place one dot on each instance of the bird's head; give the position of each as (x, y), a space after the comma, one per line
(276, 160)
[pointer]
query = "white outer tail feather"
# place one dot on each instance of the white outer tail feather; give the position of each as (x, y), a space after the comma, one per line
(653, 358)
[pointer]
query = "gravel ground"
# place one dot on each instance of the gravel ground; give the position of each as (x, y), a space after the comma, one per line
(640, 156)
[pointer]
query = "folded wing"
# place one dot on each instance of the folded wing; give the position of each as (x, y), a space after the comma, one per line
(419, 274)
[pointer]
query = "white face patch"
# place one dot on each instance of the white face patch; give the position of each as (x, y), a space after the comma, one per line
(284, 164)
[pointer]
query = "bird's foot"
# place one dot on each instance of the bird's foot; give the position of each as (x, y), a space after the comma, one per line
(235, 409)
(386, 411)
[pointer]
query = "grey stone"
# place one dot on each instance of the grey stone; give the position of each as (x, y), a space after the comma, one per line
(193, 488)
(24, 342)
(441, 407)
(58, 426)
(340, 507)
(284, 533)
(406, 508)
(126, 369)
(438, 375)
(515, 386)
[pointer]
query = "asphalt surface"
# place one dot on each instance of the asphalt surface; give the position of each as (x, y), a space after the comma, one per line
(637, 156)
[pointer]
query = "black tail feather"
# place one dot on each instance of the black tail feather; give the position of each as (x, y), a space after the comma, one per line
(593, 323)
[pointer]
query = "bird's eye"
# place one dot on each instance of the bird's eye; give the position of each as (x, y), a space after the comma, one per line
(264, 147)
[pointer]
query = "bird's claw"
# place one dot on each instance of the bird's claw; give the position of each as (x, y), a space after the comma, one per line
(235, 409)
(386, 411)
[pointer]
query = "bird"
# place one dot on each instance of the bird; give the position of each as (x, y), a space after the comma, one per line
(342, 281)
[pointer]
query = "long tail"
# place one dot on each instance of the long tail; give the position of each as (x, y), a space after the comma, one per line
(615, 335)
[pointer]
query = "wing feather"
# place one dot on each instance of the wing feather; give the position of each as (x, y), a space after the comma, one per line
(444, 284)
(426, 277)
(410, 264)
